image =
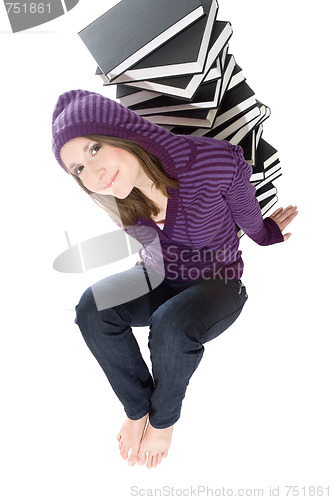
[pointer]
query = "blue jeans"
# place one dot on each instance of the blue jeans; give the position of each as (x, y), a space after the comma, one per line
(181, 316)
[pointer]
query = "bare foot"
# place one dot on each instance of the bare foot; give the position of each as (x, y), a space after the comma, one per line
(157, 443)
(129, 438)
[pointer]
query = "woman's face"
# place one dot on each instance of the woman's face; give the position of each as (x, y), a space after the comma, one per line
(102, 168)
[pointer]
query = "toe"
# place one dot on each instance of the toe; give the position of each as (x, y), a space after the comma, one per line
(142, 457)
(149, 461)
(121, 444)
(124, 451)
(154, 461)
(148, 464)
(133, 458)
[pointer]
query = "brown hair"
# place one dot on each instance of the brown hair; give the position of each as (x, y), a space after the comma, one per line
(136, 204)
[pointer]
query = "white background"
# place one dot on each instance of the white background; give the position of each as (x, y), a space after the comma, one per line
(258, 411)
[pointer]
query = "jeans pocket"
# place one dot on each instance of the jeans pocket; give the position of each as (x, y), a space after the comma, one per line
(240, 290)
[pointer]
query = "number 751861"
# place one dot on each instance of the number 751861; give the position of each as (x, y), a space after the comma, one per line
(30, 8)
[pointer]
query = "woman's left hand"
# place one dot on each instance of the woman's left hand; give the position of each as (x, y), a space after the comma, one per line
(283, 216)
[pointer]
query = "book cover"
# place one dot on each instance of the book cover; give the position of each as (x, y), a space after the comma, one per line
(117, 41)
(186, 86)
(183, 54)
(269, 153)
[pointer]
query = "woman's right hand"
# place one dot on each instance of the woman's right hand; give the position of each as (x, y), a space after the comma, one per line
(284, 216)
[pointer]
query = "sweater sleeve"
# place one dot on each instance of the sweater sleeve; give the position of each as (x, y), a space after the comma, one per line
(244, 206)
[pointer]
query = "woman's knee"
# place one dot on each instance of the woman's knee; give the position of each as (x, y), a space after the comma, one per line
(86, 308)
(95, 323)
(170, 328)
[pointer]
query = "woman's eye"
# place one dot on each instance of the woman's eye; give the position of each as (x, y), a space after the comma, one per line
(95, 149)
(78, 170)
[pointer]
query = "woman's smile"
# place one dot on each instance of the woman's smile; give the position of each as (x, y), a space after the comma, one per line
(112, 181)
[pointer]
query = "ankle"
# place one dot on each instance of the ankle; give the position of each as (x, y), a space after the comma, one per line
(165, 429)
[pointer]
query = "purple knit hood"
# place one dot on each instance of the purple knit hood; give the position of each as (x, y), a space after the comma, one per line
(80, 112)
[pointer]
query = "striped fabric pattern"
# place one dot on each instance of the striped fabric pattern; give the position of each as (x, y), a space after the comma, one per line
(199, 238)
(80, 112)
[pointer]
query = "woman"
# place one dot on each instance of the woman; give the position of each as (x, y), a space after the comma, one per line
(191, 193)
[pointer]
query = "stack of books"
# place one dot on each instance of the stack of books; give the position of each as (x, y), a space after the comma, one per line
(170, 62)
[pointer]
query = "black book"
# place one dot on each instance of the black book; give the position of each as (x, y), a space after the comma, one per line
(207, 97)
(235, 130)
(268, 163)
(267, 203)
(191, 118)
(186, 86)
(243, 122)
(272, 173)
(253, 155)
(183, 54)
(258, 131)
(248, 146)
(129, 95)
(232, 126)
(266, 157)
(132, 29)
(223, 55)
(234, 103)
(265, 188)
(241, 133)
(270, 155)
(272, 169)
(261, 155)
(228, 69)
(237, 77)
(236, 100)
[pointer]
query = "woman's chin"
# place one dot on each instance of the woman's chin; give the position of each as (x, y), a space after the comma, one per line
(120, 194)
(105, 192)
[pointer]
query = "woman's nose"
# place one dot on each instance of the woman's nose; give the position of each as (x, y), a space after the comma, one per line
(96, 179)
(101, 173)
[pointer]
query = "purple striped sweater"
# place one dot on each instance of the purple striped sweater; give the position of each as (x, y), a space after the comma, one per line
(199, 239)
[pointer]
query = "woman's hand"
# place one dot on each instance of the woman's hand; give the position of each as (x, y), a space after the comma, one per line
(283, 217)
